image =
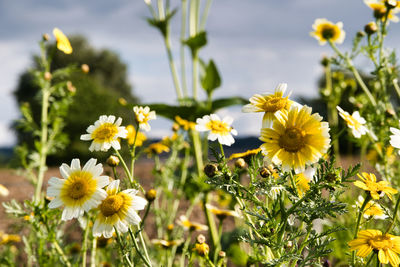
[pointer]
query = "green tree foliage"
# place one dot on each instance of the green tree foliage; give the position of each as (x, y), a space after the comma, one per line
(97, 92)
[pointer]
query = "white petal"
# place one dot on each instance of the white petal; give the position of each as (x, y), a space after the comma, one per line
(75, 165)
(55, 203)
(86, 137)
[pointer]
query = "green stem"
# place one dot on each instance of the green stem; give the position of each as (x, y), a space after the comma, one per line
(303, 244)
(378, 264)
(396, 209)
(61, 252)
(205, 15)
(43, 143)
(361, 212)
(396, 86)
(355, 73)
(172, 66)
(126, 169)
(145, 216)
(161, 12)
(133, 152)
(185, 249)
(84, 242)
(125, 256)
(197, 152)
(182, 47)
(195, 74)
(210, 221)
(93, 253)
(146, 254)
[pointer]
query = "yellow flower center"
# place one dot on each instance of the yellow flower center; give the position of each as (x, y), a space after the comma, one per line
(275, 103)
(105, 133)
(380, 242)
(293, 139)
(111, 205)
(329, 31)
(218, 127)
(352, 122)
(79, 187)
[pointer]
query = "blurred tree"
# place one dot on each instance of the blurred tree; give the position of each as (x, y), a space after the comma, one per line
(97, 93)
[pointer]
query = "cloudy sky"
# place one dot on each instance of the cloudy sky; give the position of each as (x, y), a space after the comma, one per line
(256, 44)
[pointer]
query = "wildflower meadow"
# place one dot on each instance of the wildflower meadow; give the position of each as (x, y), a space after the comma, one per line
(291, 201)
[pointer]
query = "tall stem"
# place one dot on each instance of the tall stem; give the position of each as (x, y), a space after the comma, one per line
(84, 242)
(396, 209)
(172, 67)
(182, 47)
(93, 253)
(43, 143)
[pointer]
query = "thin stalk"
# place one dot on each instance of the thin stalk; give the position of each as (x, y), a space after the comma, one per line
(218, 248)
(145, 216)
(93, 253)
(370, 259)
(185, 249)
(152, 11)
(126, 169)
(396, 86)
(182, 47)
(205, 15)
(195, 74)
(125, 256)
(172, 66)
(361, 212)
(355, 73)
(61, 252)
(84, 242)
(303, 244)
(197, 151)
(161, 12)
(43, 143)
(396, 209)
(293, 182)
(193, 17)
(378, 264)
(210, 221)
(146, 254)
(133, 152)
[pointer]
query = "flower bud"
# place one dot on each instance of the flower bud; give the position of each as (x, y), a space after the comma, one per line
(370, 28)
(360, 34)
(71, 87)
(47, 76)
(202, 249)
(112, 161)
(222, 254)
(325, 61)
(85, 68)
(210, 170)
(201, 239)
(175, 127)
(151, 195)
(46, 37)
(122, 101)
(170, 227)
(240, 163)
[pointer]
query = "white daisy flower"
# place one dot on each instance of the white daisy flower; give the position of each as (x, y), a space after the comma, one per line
(105, 133)
(219, 129)
(189, 225)
(395, 138)
(118, 210)
(355, 122)
(142, 116)
(271, 104)
(80, 189)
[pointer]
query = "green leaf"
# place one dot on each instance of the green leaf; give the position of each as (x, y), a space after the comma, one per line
(196, 42)
(211, 79)
(162, 25)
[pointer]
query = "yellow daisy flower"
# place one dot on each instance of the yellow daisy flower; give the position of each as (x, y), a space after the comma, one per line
(355, 122)
(219, 129)
(80, 189)
(192, 226)
(140, 137)
(4, 191)
(202, 249)
(221, 213)
(63, 43)
(386, 245)
(156, 148)
(271, 104)
(379, 7)
(9, 238)
(105, 133)
(303, 181)
(245, 154)
(295, 139)
(118, 210)
(325, 30)
(376, 189)
(372, 209)
(142, 116)
(187, 125)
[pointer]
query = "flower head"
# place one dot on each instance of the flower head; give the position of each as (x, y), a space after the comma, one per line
(376, 189)
(325, 31)
(167, 243)
(9, 238)
(221, 213)
(372, 209)
(380, 8)
(219, 129)
(295, 139)
(386, 245)
(79, 190)
(271, 104)
(63, 43)
(105, 133)
(192, 226)
(355, 122)
(142, 116)
(156, 148)
(185, 124)
(245, 154)
(132, 135)
(118, 210)
(303, 181)
(4, 191)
